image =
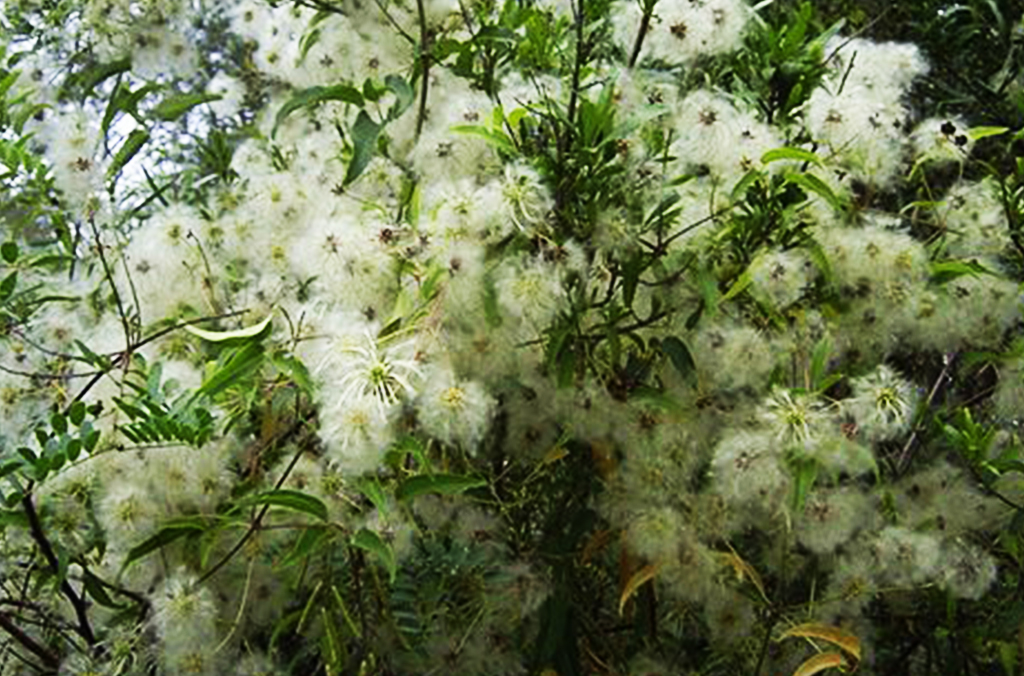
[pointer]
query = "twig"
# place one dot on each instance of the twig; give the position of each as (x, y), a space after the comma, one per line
(254, 526)
(46, 376)
(906, 455)
(421, 113)
(128, 333)
(49, 658)
(765, 645)
(395, 24)
(84, 629)
(645, 22)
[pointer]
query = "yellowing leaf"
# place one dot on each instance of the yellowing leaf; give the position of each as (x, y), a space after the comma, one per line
(221, 336)
(595, 543)
(556, 453)
(834, 635)
(603, 455)
(640, 577)
(744, 571)
(820, 663)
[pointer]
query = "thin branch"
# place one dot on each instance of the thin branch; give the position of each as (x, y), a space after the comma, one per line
(645, 23)
(84, 629)
(46, 376)
(49, 658)
(395, 24)
(906, 455)
(421, 113)
(254, 526)
(108, 273)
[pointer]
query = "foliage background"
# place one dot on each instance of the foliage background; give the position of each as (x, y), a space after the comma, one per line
(617, 338)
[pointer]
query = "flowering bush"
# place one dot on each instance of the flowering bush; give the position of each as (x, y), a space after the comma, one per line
(537, 337)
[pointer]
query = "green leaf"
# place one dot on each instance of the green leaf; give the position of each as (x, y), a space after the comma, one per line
(169, 532)
(499, 140)
(294, 368)
(403, 93)
(314, 96)
(91, 358)
(410, 445)
(257, 331)
(305, 545)
(681, 357)
(371, 488)
(946, 271)
(787, 153)
(739, 286)
(7, 286)
(806, 473)
(239, 364)
(819, 361)
(7, 82)
(307, 42)
(133, 412)
(77, 413)
(28, 454)
(90, 439)
(73, 449)
(820, 259)
(977, 133)
(87, 79)
(13, 517)
(129, 149)
(739, 189)
(10, 466)
(666, 213)
(176, 105)
(372, 91)
(443, 484)
(290, 499)
(631, 270)
(59, 423)
(93, 586)
(370, 541)
(9, 251)
(811, 182)
(364, 135)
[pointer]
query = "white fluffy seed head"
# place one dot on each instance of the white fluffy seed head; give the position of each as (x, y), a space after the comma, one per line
(182, 610)
(831, 518)
(454, 410)
(683, 31)
(882, 404)
(967, 570)
(748, 473)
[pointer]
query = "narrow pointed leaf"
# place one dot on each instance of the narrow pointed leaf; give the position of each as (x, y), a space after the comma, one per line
(637, 580)
(443, 484)
(364, 136)
(221, 336)
(834, 635)
(819, 663)
(316, 95)
(370, 541)
(129, 149)
(176, 105)
(795, 154)
(681, 357)
(168, 533)
(814, 184)
(290, 499)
